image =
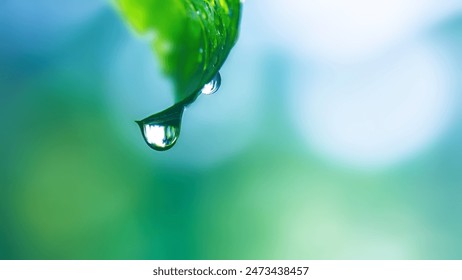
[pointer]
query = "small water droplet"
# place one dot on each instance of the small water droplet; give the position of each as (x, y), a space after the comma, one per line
(161, 131)
(212, 86)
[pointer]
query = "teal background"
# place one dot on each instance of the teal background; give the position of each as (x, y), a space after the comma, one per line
(261, 170)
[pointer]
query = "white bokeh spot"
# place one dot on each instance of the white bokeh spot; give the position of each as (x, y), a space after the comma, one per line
(372, 116)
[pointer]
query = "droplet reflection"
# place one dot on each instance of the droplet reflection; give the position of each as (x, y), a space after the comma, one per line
(212, 86)
(159, 136)
(161, 131)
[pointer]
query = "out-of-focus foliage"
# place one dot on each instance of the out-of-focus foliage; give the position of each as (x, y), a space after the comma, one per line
(191, 37)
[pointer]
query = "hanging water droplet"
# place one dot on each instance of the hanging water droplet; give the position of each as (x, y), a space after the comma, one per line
(212, 86)
(161, 130)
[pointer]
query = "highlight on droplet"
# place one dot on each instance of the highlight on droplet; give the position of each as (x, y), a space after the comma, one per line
(159, 136)
(161, 131)
(212, 86)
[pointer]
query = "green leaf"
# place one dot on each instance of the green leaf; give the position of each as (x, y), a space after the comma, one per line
(192, 38)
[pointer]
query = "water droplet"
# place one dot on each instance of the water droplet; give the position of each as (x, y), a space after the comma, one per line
(212, 86)
(161, 131)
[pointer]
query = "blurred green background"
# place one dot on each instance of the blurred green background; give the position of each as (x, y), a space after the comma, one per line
(337, 134)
